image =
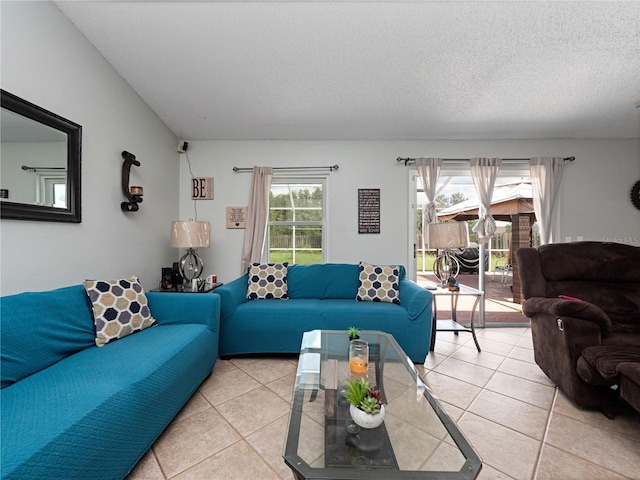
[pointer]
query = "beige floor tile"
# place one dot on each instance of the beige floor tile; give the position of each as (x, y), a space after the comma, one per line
(523, 354)
(499, 335)
(146, 469)
(246, 360)
(196, 404)
(451, 337)
(521, 389)
(283, 386)
(504, 449)
(227, 385)
(529, 371)
(483, 359)
(489, 473)
(509, 412)
(237, 462)
(555, 463)
(445, 348)
(222, 366)
(609, 450)
(492, 346)
(446, 458)
(433, 360)
(269, 369)
(454, 412)
(187, 442)
(269, 443)
(626, 422)
(526, 342)
(451, 390)
(253, 410)
(517, 331)
(465, 371)
(412, 446)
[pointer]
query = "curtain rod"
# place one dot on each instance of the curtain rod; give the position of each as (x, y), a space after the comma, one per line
(35, 169)
(407, 160)
(247, 169)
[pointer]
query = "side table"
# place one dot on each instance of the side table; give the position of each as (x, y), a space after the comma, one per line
(452, 325)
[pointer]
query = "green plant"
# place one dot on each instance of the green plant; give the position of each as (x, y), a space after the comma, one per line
(369, 405)
(360, 394)
(353, 333)
(356, 390)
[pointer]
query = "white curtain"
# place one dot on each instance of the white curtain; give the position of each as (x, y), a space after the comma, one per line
(546, 176)
(429, 171)
(484, 172)
(257, 217)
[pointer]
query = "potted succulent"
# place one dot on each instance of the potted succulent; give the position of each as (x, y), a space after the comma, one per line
(354, 333)
(367, 406)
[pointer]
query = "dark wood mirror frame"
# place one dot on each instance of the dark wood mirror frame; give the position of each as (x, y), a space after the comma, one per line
(23, 211)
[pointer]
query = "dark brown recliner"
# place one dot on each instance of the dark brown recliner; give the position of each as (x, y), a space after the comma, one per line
(590, 341)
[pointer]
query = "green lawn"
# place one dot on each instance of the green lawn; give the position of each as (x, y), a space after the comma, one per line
(302, 256)
(311, 256)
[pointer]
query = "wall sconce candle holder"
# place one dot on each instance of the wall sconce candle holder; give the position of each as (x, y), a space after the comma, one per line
(133, 194)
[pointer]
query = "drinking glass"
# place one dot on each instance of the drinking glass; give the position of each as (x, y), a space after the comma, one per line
(358, 357)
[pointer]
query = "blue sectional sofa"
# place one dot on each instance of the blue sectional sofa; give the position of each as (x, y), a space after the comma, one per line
(321, 296)
(71, 410)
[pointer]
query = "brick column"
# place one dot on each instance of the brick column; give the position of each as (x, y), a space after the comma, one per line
(520, 237)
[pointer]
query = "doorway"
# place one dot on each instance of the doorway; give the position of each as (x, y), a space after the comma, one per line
(455, 201)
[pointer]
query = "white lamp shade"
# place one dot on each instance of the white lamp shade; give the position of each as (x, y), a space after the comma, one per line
(190, 234)
(448, 235)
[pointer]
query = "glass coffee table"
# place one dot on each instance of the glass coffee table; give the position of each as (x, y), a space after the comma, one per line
(417, 440)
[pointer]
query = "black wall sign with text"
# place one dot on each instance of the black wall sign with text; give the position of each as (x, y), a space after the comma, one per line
(368, 210)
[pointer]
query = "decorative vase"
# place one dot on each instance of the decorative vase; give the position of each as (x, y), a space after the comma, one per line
(364, 419)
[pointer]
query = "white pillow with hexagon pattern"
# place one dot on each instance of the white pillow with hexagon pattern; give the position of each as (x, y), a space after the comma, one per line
(119, 307)
(379, 283)
(267, 281)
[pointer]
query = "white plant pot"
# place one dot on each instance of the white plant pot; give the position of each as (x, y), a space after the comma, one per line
(364, 419)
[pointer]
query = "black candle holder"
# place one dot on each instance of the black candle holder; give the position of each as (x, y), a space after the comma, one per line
(133, 199)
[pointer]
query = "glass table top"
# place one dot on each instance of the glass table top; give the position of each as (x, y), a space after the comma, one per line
(417, 439)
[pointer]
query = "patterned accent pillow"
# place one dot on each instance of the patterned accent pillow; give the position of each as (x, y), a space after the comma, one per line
(267, 280)
(378, 283)
(119, 308)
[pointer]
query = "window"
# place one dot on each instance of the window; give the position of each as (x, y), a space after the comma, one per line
(51, 190)
(297, 222)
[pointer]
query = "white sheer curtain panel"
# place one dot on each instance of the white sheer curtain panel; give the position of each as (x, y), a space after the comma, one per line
(546, 176)
(484, 172)
(429, 171)
(257, 217)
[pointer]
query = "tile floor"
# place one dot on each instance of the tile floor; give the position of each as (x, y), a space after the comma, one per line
(521, 426)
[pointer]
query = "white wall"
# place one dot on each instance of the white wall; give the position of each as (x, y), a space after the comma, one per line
(47, 61)
(595, 197)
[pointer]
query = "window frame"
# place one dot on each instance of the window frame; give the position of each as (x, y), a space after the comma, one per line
(283, 179)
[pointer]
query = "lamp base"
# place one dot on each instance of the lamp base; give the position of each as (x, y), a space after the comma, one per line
(191, 265)
(446, 266)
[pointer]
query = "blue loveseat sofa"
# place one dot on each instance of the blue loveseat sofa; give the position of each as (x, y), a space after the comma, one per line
(71, 410)
(321, 296)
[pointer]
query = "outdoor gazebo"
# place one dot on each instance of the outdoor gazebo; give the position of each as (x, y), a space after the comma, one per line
(510, 203)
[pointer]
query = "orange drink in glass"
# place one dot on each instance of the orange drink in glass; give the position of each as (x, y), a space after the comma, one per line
(358, 357)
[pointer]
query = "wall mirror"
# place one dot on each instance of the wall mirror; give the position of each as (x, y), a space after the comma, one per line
(40, 159)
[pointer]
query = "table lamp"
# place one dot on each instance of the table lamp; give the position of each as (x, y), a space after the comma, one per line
(445, 236)
(190, 235)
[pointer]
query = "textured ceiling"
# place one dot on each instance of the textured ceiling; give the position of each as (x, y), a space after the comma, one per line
(376, 70)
